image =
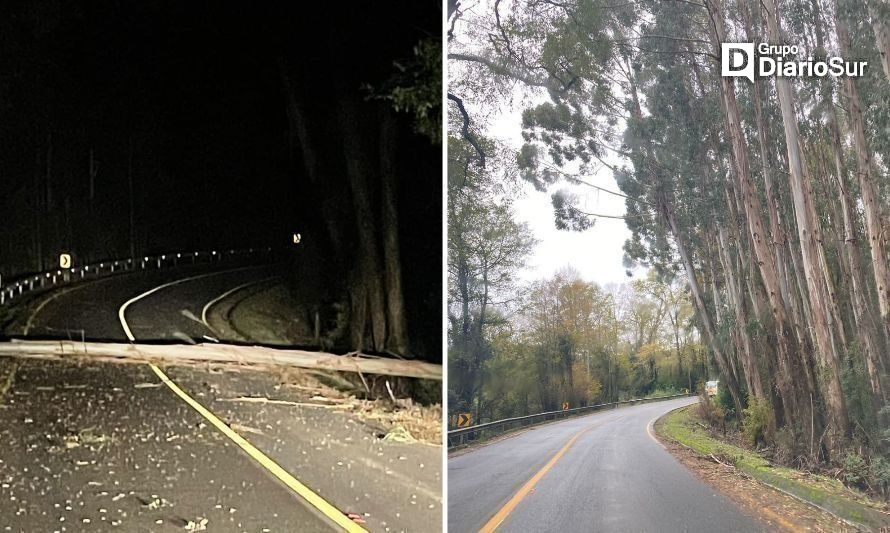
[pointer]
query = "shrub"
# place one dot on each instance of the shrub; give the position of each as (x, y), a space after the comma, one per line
(661, 392)
(855, 469)
(711, 413)
(758, 423)
(880, 473)
(787, 445)
(724, 400)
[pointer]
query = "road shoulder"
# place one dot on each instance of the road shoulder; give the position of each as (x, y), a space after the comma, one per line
(787, 499)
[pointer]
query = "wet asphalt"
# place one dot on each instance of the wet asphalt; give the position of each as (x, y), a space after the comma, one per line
(107, 447)
(615, 477)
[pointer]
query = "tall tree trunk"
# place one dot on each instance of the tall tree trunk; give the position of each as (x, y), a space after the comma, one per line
(862, 315)
(879, 12)
(876, 227)
(762, 249)
(667, 212)
(810, 236)
(666, 209)
(740, 308)
(369, 303)
(299, 136)
(397, 338)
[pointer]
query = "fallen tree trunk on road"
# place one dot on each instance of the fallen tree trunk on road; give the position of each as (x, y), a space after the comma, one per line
(223, 354)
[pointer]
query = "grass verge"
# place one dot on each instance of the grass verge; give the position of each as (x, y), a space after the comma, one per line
(825, 493)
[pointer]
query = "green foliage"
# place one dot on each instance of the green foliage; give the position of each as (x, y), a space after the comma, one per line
(691, 206)
(486, 249)
(566, 213)
(855, 469)
(724, 400)
(595, 391)
(661, 392)
(858, 394)
(417, 88)
(880, 474)
(758, 423)
(710, 412)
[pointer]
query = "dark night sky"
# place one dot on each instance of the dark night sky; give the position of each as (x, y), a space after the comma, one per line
(195, 87)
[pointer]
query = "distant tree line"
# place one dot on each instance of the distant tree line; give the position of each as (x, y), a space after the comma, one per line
(770, 199)
(518, 348)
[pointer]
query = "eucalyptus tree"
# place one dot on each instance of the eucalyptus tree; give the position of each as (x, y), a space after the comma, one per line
(730, 183)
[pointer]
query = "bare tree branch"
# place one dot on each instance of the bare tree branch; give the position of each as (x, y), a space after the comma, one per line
(501, 69)
(465, 129)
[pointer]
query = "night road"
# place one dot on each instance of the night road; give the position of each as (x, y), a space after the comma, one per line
(90, 446)
(613, 477)
(164, 305)
(220, 267)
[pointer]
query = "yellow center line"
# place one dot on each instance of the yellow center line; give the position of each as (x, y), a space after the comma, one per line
(495, 521)
(313, 499)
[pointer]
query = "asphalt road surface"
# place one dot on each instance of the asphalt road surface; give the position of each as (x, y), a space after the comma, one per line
(613, 477)
(110, 447)
(91, 310)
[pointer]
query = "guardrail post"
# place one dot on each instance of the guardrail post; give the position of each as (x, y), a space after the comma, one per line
(63, 276)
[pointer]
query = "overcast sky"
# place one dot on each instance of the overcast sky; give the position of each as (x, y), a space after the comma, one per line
(595, 253)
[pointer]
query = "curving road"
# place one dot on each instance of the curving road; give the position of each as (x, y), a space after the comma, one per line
(168, 305)
(601, 472)
(96, 446)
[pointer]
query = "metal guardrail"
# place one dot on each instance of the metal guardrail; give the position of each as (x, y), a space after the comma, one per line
(62, 276)
(461, 436)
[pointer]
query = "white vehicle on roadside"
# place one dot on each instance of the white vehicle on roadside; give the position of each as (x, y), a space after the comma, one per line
(711, 387)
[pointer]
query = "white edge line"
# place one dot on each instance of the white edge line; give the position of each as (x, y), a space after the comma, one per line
(30, 323)
(650, 427)
(122, 311)
(216, 300)
(329, 510)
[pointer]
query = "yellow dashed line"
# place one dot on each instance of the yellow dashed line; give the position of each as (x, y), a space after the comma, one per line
(313, 499)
